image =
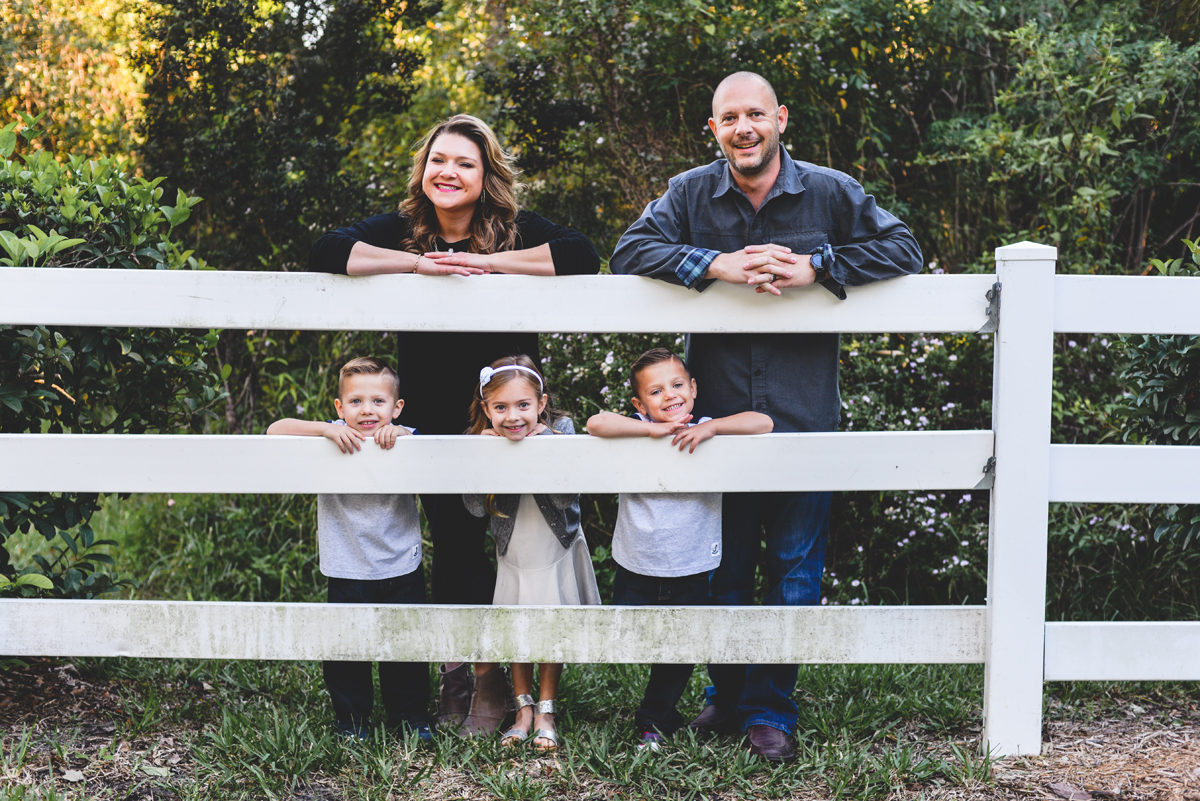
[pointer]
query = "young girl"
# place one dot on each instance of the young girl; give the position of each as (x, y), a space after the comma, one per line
(541, 555)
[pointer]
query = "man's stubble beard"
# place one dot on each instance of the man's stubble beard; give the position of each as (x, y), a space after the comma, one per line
(772, 144)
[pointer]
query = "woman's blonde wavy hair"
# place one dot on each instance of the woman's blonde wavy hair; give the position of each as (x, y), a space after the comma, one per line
(494, 226)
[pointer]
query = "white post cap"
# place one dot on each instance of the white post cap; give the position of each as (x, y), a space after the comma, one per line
(1027, 251)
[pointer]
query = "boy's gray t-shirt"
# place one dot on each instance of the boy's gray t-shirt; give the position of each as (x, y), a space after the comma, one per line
(368, 537)
(667, 534)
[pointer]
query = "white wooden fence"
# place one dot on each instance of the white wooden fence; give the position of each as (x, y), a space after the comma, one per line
(1009, 634)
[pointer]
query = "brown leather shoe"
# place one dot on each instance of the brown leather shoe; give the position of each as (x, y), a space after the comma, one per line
(770, 743)
(712, 721)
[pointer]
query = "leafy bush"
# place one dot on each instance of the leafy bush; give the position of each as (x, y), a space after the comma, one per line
(71, 379)
(1164, 372)
(222, 547)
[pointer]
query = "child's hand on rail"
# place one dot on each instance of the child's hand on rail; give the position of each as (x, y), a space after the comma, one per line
(346, 438)
(694, 436)
(659, 430)
(385, 437)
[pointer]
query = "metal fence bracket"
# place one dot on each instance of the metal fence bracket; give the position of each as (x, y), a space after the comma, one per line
(993, 311)
(989, 474)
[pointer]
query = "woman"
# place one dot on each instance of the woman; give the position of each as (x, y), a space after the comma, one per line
(461, 217)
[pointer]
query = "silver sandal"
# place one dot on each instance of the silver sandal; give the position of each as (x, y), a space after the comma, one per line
(515, 736)
(545, 708)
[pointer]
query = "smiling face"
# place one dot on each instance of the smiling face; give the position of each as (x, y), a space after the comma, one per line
(513, 407)
(453, 178)
(665, 392)
(747, 122)
(368, 402)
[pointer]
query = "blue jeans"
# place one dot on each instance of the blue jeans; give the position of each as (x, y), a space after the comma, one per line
(667, 682)
(403, 686)
(797, 532)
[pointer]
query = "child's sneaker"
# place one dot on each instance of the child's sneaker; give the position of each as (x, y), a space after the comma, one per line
(415, 725)
(651, 740)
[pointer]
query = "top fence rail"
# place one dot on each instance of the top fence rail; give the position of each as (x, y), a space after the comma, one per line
(569, 304)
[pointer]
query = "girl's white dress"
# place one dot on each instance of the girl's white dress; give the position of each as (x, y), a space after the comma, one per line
(537, 571)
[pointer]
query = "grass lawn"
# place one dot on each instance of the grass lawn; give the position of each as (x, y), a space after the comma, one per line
(136, 728)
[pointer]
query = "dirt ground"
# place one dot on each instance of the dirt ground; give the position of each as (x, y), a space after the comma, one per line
(1139, 750)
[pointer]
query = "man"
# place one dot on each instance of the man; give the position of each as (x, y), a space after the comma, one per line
(759, 219)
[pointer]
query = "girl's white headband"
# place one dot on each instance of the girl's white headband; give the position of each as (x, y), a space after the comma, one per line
(485, 375)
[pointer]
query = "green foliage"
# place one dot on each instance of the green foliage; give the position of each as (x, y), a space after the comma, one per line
(253, 105)
(70, 379)
(1164, 374)
(224, 548)
(67, 60)
(256, 106)
(1090, 144)
(1104, 565)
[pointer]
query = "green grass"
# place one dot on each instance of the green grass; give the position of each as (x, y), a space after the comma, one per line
(264, 730)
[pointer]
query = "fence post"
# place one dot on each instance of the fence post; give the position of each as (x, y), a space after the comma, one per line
(1016, 602)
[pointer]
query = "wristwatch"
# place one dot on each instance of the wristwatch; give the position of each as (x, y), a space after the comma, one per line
(822, 261)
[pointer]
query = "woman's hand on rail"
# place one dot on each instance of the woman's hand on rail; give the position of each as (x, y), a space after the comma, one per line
(528, 261)
(476, 262)
(371, 260)
(427, 264)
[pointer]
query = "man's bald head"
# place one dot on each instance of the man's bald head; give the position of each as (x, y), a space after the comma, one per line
(740, 79)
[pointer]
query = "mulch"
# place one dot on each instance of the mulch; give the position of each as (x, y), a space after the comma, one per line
(1135, 751)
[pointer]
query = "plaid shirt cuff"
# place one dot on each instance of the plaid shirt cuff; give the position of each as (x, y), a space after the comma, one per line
(694, 265)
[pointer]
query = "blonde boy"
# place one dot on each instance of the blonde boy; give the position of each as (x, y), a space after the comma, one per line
(370, 549)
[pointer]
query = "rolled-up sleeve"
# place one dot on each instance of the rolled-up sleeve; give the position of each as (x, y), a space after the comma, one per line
(654, 245)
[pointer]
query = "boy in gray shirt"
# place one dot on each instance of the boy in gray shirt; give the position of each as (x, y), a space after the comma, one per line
(666, 544)
(370, 549)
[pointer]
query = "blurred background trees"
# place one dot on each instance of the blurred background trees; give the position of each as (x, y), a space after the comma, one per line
(978, 123)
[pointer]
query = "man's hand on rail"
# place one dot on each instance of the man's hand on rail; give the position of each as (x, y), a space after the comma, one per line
(800, 274)
(767, 268)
